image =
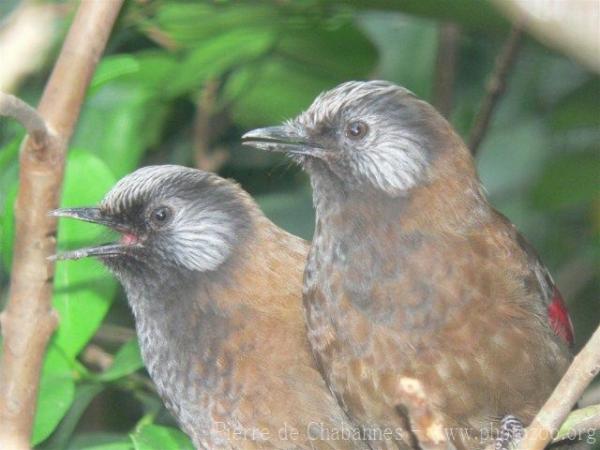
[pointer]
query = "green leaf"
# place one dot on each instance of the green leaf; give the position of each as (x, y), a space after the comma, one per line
(9, 179)
(56, 393)
(478, 14)
(411, 64)
(272, 91)
(576, 418)
(115, 66)
(179, 20)
(83, 290)
(99, 441)
(148, 68)
(7, 233)
(568, 180)
(127, 360)
(119, 123)
(307, 60)
(580, 108)
(125, 112)
(124, 445)
(343, 52)
(511, 157)
(9, 154)
(154, 437)
(84, 394)
(214, 57)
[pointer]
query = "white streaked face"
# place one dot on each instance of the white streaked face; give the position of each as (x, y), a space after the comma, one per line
(370, 133)
(176, 216)
(196, 236)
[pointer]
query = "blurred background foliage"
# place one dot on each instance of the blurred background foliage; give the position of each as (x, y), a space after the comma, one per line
(182, 80)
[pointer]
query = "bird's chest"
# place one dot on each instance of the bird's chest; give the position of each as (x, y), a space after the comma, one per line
(325, 309)
(343, 337)
(355, 288)
(361, 334)
(193, 375)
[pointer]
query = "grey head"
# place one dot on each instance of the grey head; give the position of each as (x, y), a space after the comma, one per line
(371, 134)
(171, 219)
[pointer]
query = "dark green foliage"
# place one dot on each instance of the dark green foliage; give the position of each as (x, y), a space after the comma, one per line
(268, 60)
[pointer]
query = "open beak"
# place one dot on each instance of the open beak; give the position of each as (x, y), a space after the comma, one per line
(95, 215)
(280, 139)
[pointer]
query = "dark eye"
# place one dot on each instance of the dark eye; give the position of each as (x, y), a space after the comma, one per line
(161, 215)
(357, 130)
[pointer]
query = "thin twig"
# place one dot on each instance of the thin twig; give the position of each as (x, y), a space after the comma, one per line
(29, 320)
(161, 38)
(114, 334)
(580, 374)
(16, 108)
(445, 67)
(496, 86)
(204, 130)
(96, 356)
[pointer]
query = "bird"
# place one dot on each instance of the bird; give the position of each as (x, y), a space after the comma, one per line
(216, 293)
(425, 307)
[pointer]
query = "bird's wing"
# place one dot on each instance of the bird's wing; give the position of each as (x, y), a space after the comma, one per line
(543, 284)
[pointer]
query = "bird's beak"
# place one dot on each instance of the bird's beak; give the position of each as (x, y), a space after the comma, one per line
(95, 215)
(282, 139)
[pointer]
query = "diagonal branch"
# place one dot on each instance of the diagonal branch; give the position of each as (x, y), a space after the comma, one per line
(29, 320)
(496, 86)
(582, 371)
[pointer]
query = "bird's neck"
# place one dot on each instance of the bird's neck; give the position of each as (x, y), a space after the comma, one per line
(174, 317)
(181, 336)
(193, 331)
(260, 277)
(451, 201)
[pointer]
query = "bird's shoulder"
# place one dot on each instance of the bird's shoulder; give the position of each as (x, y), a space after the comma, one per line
(537, 281)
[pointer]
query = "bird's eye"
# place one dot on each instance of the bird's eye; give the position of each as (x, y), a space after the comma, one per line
(357, 130)
(161, 215)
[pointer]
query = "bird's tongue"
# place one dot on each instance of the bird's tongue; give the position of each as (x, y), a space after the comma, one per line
(128, 239)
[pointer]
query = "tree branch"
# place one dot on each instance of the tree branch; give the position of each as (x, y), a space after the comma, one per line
(579, 423)
(35, 125)
(445, 67)
(94, 355)
(205, 130)
(29, 320)
(496, 86)
(109, 333)
(582, 371)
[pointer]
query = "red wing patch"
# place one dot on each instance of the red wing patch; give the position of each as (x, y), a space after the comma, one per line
(559, 318)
